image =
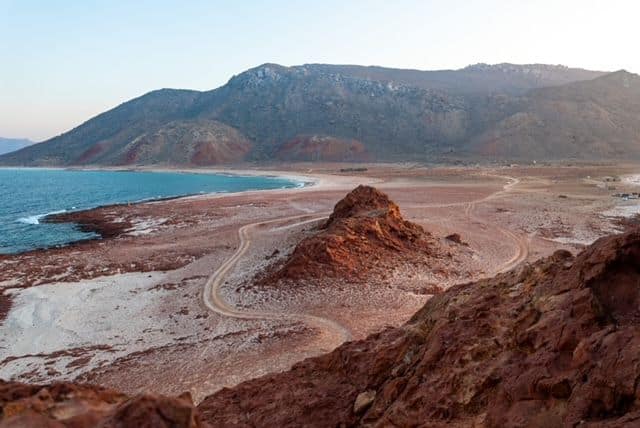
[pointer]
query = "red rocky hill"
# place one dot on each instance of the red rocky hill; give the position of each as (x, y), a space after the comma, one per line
(365, 231)
(70, 405)
(552, 344)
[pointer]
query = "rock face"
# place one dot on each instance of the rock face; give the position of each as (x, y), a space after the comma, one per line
(181, 142)
(553, 344)
(203, 142)
(316, 148)
(365, 231)
(79, 406)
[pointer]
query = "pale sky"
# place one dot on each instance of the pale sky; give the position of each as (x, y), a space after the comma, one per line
(62, 62)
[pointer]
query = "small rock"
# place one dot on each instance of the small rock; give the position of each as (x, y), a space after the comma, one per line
(455, 237)
(363, 401)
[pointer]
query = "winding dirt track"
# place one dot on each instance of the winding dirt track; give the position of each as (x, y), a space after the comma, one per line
(521, 243)
(214, 301)
(333, 333)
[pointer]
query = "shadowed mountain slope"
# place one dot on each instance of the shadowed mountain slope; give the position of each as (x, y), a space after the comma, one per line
(593, 119)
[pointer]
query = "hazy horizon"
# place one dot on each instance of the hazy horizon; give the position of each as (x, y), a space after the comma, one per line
(67, 63)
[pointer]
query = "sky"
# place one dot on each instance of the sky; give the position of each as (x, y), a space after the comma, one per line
(62, 62)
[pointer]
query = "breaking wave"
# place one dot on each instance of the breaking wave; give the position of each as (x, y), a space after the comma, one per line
(35, 219)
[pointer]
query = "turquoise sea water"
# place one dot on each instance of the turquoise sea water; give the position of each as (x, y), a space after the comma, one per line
(27, 195)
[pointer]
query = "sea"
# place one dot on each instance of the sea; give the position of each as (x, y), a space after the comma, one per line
(27, 195)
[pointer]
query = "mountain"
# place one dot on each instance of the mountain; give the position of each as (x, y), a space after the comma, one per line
(8, 145)
(481, 78)
(320, 112)
(589, 119)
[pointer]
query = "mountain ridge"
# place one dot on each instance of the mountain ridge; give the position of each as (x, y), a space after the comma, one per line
(8, 145)
(323, 112)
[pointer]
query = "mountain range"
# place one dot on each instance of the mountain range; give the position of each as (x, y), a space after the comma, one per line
(8, 145)
(319, 112)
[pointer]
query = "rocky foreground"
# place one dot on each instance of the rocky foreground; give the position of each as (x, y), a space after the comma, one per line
(551, 344)
(554, 344)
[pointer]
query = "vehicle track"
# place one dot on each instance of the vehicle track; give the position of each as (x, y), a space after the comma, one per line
(521, 243)
(215, 302)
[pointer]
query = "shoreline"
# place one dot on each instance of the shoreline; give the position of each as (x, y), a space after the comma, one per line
(87, 221)
(307, 179)
(90, 221)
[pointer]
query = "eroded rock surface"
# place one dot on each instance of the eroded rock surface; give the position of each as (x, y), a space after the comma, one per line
(83, 406)
(365, 231)
(553, 344)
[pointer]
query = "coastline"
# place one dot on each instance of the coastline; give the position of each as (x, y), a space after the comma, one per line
(93, 220)
(155, 277)
(90, 221)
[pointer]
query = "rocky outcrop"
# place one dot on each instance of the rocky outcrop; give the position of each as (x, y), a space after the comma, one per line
(69, 405)
(553, 344)
(365, 231)
(93, 221)
(455, 238)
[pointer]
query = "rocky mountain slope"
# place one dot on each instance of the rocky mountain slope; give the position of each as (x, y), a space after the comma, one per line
(200, 142)
(551, 344)
(322, 112)
(590, 119)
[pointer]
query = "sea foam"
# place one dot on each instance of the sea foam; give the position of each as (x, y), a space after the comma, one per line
(35, 219)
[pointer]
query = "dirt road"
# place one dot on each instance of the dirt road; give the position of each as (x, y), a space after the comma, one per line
(332, 333)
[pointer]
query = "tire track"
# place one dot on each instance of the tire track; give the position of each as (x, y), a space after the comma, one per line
(215, 302)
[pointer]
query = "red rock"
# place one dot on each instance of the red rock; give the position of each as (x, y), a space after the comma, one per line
(365, 231)
(455, 237)
(79, 406)
(553, 344)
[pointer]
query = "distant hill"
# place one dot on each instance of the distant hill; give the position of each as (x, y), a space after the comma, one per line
(8, 145)
(507, 78)
(595, 119)
(321, 112)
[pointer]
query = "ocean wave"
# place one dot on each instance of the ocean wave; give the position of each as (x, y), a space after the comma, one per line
(35, 219)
